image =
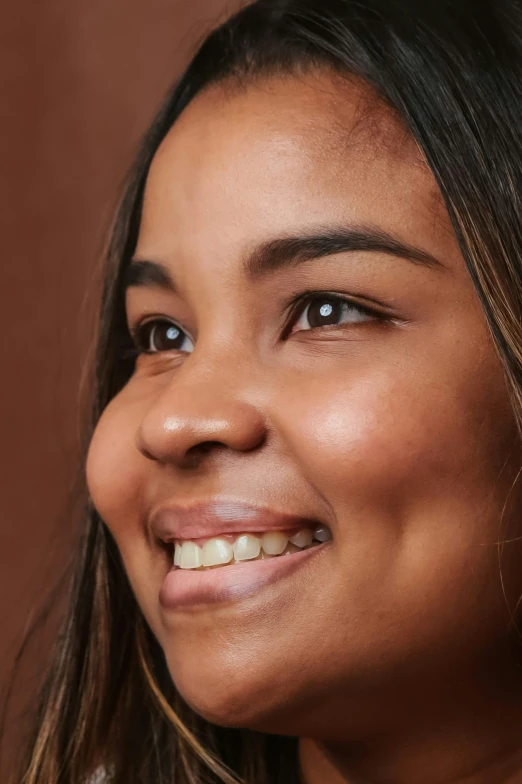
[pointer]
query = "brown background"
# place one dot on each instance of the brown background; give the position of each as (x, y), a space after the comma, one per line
(80, 80)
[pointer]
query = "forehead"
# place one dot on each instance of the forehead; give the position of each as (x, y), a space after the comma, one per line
(245, 163)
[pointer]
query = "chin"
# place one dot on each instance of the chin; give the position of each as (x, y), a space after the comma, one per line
(230, 698)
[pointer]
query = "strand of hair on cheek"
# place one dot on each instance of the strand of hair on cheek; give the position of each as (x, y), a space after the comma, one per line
(226, 776)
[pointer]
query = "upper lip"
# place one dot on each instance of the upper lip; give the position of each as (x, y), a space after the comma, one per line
(221, 516)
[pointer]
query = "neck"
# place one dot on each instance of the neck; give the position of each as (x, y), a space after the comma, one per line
(466, 735)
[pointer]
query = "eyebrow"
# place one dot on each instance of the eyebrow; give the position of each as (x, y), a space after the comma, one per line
(148, 273)
(284, 252)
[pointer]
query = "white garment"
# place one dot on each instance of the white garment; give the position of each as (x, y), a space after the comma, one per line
(100, 776)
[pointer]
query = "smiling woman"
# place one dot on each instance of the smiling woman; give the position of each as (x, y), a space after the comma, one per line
(303, 542)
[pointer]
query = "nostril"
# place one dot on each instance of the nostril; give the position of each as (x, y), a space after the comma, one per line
(196, 452)
(206, 446)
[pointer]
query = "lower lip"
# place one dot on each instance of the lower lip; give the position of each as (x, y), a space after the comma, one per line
(185, 587)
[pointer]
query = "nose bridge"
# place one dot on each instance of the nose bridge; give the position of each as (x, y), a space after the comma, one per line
(209, 401)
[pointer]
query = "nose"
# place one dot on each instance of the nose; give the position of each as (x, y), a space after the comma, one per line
(201, 410)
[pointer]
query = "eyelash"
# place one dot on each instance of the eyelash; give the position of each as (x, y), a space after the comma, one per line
(141, 332)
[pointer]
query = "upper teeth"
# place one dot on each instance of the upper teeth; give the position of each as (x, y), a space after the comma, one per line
(217, 551)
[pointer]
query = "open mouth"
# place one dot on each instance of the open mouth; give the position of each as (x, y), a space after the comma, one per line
(228, 549)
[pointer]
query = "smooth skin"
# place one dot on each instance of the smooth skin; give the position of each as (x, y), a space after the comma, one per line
(389, 655)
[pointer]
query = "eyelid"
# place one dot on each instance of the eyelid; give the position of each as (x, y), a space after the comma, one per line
(136, 330)
(293, 309)
(298, 303)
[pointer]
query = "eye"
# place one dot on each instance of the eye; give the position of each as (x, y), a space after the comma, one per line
(158, 335)
(327, 310)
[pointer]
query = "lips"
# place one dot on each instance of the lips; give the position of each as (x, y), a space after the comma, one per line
(221, 516)
(184, 588)
(191, 589)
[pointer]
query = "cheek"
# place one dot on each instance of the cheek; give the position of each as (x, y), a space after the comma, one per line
(118, 477)
(357, 440)
(413, 465)
(114, 473)
(399, 431)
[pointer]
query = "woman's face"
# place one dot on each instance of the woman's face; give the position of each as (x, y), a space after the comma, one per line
(376, 408)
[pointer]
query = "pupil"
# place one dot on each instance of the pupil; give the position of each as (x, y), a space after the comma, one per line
(166, 337)
(323, 312)
(172, 333)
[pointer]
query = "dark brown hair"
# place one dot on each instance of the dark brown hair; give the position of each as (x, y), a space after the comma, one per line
(452, 70)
